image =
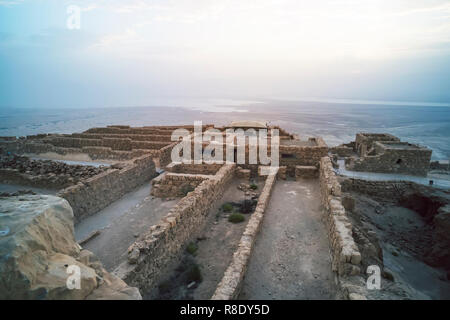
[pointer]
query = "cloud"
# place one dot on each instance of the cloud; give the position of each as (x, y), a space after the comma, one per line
(439, 8)
(8, 3)
(89, 8)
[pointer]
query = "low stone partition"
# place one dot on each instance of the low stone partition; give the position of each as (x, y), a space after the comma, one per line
(204, 168)
(230, 285)
(346, 257)
(153, 253)
(306, 172)
(93, 194)
(176, 184)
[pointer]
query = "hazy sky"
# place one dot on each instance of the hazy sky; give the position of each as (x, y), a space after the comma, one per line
(136, 52)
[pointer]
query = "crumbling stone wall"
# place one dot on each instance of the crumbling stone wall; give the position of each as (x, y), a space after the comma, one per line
(93, 194)
(364, 141)
(43, 173)
(346, 258)
(152, 253)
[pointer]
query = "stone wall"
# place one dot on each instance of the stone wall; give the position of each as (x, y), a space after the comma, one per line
(165, 155)
(306, 172)
(346, 258)
(133, 137)
(364, 141)
(208, 169)
(171, 184)
(387, 190)
(150, 256)
(230, 285)
(93, 194)
(291, 156)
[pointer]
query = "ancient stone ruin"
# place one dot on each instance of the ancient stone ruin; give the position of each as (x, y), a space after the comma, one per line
(140, 226)
(379, 152)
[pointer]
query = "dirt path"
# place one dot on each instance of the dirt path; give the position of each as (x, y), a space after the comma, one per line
(120, 223)
(291, 256)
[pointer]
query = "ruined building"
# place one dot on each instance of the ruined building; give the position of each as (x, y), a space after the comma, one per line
(380, 152)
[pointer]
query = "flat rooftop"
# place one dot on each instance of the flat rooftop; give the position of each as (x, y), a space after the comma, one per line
(401, 145)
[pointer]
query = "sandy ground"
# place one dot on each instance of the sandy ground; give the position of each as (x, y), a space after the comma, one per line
(216, 243)
(291, 257)
(121, 223)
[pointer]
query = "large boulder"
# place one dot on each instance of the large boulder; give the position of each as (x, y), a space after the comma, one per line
(38, 250)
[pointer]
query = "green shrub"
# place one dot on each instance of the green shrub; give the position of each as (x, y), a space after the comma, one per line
(236, 218)
(194, 274)
(253, 186)
(247, 206)
(192, 248)
(164, 287)
(227, 207)
(185, 189)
